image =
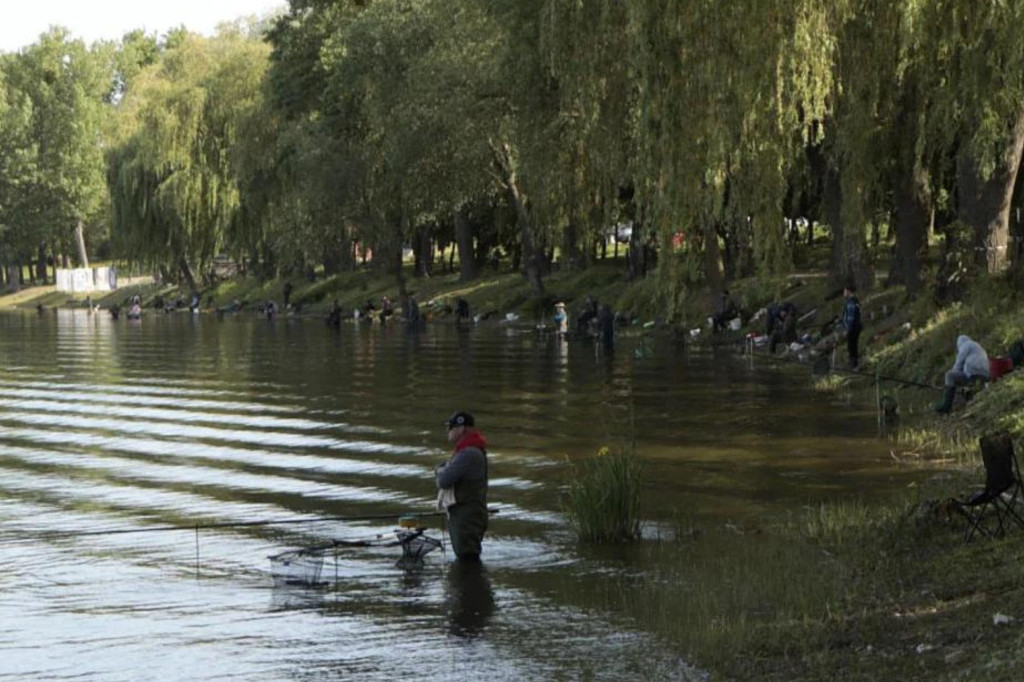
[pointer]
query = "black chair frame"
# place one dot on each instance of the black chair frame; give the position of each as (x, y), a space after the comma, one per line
(1003, 490)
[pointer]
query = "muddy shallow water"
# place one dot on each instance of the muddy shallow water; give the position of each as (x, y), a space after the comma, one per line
(186, 421)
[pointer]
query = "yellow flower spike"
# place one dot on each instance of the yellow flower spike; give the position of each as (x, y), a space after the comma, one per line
(603, 451)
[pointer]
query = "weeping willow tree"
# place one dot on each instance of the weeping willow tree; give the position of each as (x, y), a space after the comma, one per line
(174, 193)
(730, 95)
(910, 173)
(393, 121)
(975, 86)
(585, 49)
(296, 184)
(867, 84)
(522, 135)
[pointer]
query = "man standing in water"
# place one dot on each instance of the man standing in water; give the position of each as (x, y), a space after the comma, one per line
(462, 485)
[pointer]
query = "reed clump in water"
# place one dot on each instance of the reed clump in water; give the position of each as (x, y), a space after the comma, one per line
(604, 497)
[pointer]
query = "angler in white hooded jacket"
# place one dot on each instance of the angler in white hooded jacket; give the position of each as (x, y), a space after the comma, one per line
(971, 364)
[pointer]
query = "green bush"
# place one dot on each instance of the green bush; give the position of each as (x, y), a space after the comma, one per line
(604, 497)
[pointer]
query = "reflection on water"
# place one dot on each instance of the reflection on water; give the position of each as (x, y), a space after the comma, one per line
(221, 425)
(470, 599)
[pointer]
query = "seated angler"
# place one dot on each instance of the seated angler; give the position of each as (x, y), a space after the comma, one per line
(971, 365)
(785, 329)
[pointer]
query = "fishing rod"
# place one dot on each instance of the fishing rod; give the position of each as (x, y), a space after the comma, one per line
(56, 535)
(858, 372)
(880, 377)
(749, 347)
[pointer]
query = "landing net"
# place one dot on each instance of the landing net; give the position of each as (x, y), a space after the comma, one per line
(304, 567)
(415, 546)
(298, 566)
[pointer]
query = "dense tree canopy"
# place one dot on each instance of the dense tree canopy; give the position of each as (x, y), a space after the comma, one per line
(52, 139)
(535, 126)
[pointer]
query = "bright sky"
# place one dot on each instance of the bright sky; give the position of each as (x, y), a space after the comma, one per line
(24, 20)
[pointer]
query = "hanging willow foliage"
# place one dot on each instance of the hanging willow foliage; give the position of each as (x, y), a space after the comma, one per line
(174, 192)
(729, 94)
(975, 85)
(702, 121)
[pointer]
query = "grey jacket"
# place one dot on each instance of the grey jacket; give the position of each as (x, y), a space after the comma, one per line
(971, 358)
(466, 472)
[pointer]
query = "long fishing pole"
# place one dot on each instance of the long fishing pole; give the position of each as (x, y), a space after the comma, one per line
(228, 524)
(786, 358)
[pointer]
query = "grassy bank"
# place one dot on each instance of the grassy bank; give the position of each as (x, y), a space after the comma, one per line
(494, 293)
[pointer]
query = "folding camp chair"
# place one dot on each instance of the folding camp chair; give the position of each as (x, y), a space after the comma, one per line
(1003, 489)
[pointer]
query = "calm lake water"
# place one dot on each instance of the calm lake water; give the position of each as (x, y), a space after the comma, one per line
(182, 420)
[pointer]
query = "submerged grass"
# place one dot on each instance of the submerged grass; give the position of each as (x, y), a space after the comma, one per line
(845, 590)
(936, 446)
(828, 383)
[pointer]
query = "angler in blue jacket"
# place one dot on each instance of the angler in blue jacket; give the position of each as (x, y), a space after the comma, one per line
(850, 321)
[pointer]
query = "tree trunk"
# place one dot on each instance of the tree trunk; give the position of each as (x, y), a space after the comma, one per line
(339, 256)
(1017, 226)
(984, 204)
(913, 213)
(532, 256)
(744, 248)
(464, 242)
(636, 257)
(727, 252)
(396, 222)
(186, 273)
(83, 257)
(14, 278)
(847, 244)
(41, 264)
(913, 216)
(573, 258)
(424, 251)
